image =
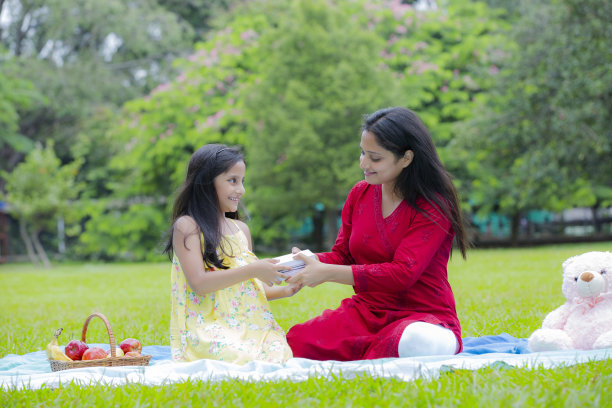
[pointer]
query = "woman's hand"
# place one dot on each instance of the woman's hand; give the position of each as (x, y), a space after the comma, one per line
(313, 274)
(295, 250)
(267, 271)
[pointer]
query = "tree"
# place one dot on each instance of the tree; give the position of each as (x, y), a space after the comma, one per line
(289, 85)
(80, 54)
(200, 14)
(39, 191)
(322, 74)
(156, 135)
(15, 95)
(543, 140)
(442, 60)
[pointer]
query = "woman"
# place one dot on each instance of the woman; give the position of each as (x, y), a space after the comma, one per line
(396, 238)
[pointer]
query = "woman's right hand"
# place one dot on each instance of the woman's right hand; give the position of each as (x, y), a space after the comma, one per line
(267, 271)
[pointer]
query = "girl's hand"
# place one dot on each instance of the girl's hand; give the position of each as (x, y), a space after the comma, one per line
(267, 271)
(290, 289)
(313, 274)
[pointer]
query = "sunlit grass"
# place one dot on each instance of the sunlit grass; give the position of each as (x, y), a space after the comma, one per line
(502, 290)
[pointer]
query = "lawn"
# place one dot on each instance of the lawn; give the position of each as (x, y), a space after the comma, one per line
(496, 290)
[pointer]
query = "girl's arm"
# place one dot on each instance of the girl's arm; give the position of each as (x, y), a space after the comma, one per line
(187, 248)
(272, 291)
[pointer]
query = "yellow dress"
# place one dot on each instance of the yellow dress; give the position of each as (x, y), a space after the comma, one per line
(234, 324)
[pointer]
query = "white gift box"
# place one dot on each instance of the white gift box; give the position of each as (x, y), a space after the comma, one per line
(295, 264)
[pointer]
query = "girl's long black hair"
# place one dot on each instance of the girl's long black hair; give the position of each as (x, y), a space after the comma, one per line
(197, 198)
(399, 129)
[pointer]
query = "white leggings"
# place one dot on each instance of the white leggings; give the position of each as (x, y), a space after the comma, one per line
(426, 339)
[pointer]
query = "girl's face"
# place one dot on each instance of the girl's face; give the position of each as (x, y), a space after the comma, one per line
(379, 165)
(230, 187)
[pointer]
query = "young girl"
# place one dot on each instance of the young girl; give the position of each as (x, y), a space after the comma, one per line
(219, 304)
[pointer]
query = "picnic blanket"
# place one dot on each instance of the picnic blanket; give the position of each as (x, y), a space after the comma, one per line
(32, 370)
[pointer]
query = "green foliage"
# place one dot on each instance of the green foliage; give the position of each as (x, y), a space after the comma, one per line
(320, 76)
(290, 85)
(155, 136)
(199, 14)
(80, 55)
(39, 189)
(123, 230)
(543, 139)
(15, 94)
(442, 61)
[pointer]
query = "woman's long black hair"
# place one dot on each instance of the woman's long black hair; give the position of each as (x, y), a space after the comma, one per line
(399, 129)
(197, 198)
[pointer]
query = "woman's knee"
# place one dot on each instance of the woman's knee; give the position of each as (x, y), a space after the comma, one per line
(426, 339)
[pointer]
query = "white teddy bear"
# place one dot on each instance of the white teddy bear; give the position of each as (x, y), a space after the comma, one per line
(585, 320)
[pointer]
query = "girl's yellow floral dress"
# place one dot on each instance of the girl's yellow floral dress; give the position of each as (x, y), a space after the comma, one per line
(234, 324)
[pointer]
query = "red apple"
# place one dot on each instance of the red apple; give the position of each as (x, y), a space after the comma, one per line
(128, 345)
(134, 353)
(75, 349)
(94, 353)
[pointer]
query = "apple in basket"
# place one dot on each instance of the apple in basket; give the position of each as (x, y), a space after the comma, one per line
(75, 349)
(94, 353)
(128, 345)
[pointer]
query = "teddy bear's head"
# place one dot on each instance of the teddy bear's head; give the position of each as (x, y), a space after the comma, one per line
(587, 275)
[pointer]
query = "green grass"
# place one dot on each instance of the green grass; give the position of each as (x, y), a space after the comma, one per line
(501, 290)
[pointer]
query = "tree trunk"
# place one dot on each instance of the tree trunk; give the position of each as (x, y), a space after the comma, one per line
(331, 218)
(516, 224)
(317, 232)
(27, 241)
(40, 250)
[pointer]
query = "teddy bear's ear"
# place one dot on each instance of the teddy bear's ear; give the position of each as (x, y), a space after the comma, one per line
(568, 262)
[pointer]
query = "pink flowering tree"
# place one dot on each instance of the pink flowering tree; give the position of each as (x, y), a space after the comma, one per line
(158, 133)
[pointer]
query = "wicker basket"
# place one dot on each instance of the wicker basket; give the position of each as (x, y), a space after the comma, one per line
(112, 361)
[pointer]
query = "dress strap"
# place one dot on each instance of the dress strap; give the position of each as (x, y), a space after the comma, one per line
(236, 225)
(240, 233)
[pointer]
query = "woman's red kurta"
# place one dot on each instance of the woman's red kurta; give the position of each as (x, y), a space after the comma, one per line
(399, 266)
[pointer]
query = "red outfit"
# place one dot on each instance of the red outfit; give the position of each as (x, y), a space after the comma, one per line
(399, 267)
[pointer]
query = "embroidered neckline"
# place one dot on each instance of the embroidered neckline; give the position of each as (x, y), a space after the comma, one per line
(380, 221)
(378, 204)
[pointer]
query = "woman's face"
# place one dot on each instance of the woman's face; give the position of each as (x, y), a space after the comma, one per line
(379, 165)
(230, 188)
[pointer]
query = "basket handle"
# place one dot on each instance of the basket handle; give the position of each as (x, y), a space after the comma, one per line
(111, 336)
